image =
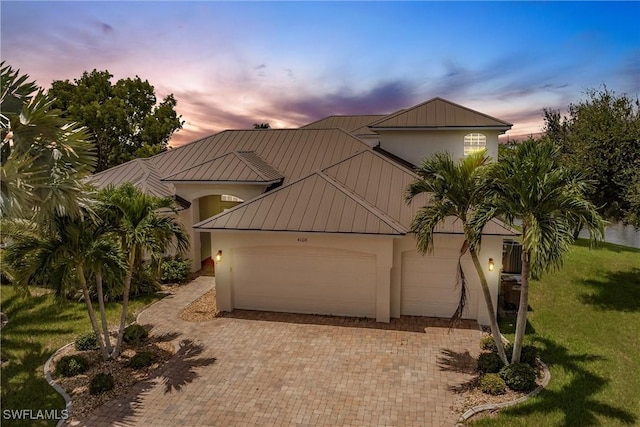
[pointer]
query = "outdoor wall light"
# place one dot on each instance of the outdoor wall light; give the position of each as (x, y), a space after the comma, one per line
(492, 264)
(219, 256)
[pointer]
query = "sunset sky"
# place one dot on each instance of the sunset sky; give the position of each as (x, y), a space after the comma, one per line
(231, 64)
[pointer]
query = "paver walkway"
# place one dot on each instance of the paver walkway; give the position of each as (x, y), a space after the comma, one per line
(273, 369)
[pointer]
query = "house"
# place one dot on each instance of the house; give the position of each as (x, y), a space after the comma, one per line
(313, 220)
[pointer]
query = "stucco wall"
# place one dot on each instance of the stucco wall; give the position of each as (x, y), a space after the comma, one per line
(415, 145)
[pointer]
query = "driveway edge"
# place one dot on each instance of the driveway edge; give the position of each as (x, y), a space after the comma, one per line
(492, 406)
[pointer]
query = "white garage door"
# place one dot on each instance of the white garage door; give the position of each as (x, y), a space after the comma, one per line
(429, 285)
(304, 280)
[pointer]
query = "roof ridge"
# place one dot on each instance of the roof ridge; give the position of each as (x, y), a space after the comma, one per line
(368, 206)
(375, 153)
(437, 98)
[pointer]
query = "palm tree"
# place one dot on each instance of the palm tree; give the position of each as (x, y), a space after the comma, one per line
(43, 158)
(455, 189)
(531, 185)
(65, 255)
(144, 226)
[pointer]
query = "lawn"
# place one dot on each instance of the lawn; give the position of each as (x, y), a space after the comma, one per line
(585, 319)
(37, 327)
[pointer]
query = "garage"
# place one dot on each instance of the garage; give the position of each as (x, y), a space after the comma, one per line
(297, 279)
(428, 284)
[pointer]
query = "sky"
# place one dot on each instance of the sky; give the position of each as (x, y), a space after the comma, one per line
(232, 64)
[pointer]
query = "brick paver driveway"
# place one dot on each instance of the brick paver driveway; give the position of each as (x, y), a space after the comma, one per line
(254, 368)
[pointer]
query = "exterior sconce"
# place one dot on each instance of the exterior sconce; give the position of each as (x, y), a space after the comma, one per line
(219, 256)
(492, 264)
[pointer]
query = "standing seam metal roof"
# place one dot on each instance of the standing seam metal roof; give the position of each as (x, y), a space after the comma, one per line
(437, 113)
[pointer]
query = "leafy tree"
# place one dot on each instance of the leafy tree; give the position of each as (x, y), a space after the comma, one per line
(144, 226)
(533, 185)
(44, 158)
(455, 188)
(124, 119)
(261, 126)
(600, 136)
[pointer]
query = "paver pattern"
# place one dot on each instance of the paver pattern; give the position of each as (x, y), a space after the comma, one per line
(275, 369)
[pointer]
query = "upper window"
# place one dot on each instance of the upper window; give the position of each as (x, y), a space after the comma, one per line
(474, 142)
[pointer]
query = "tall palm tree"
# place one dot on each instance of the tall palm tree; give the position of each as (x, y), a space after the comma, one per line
(531, 185)
(64, 256)
(455, 188)
(144, 226)
(43, 158)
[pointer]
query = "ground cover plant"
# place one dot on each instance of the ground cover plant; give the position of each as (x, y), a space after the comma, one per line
(584, 319)
(37, 327)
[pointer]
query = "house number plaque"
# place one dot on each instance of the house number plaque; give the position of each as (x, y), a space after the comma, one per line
(302, 239)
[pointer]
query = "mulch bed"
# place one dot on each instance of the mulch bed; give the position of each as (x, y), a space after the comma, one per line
(82, 402)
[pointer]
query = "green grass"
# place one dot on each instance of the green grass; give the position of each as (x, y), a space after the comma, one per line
(37, 327)
(585, 319)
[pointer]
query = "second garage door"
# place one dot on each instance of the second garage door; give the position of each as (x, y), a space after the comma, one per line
(304, 280)
(428, 285)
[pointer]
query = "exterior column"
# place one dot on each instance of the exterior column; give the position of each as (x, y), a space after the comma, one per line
(383, 293)
(195, 235)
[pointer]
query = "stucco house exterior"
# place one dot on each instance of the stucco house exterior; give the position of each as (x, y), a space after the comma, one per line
(313, 220)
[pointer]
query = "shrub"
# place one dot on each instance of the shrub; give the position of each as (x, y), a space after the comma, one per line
(175, 270)
(528, 355)
(488, 344)
(519, 376)
(134, 334)
(489, 363)
(142, 360)
(70, 366)
(492, 384)
(86, 342)
(100, 383)
(145, 280)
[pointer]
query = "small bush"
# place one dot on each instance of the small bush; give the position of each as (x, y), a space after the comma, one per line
(528, 355)
(492, 384)
(489, 363)
(100, 383)
(86, 342)
(134, 334)
(145, 280)
(175, 270)
(142, 360)
(519, 376)
(70, 366)
(488, 344)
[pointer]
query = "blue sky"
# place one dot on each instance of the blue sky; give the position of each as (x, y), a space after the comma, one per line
(230, 64)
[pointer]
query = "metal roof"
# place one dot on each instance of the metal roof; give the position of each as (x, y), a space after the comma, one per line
(237, 166)
(357, 125)
(315, 203)
(439, 113)
(139, 172)
(292, 152)
(362, 194)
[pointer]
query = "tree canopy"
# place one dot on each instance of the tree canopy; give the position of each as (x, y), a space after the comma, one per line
(124, 119)
(600, 136)
(43, 157)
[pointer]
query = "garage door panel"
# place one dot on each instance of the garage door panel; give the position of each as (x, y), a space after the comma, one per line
(304, 280)
(429, 285)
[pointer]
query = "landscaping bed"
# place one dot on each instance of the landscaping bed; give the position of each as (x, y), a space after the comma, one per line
(202, 309)
(83, 402)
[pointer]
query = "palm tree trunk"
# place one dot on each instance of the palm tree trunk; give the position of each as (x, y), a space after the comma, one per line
(495, 329)
(92, 315)
(521, 322)
(125, 302)
(103, 314)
